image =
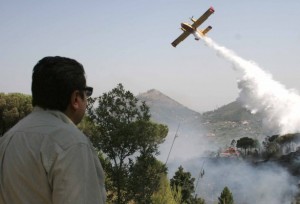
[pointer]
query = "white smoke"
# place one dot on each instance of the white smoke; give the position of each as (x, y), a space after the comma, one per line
(249, 183)
(261, 184)
(189, 143)
(259, 92)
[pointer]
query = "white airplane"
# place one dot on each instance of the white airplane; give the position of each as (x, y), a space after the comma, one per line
(192, 28)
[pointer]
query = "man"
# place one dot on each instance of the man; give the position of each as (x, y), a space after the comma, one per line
(44, 158)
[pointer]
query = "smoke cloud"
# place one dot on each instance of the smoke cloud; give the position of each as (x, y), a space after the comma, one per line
(259, 92)
(249, 183)
(265, 183)
(260, 184)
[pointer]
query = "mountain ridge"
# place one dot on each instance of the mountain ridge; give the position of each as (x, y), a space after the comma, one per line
(167, 110)
(225, 123)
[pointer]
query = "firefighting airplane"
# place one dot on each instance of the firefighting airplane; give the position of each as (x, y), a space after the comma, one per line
(188, 28)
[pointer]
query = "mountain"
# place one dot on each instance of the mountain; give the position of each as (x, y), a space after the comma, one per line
(163, 108)
(228, 122)
(166, 110)
(231, 112)
(232, 121)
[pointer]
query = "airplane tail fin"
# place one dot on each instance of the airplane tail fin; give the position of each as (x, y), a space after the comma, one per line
(206, 30)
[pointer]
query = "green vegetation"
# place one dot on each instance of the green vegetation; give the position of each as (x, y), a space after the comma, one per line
(13, 107)
(123, 130)
(246, 143)
(183, 180)
(165, 193)
(226, 197)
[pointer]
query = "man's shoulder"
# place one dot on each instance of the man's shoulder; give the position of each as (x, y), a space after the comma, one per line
(53, 129)
(69, 133)
(66, 135)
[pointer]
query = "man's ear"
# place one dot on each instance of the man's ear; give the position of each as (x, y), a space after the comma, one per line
(74, 101)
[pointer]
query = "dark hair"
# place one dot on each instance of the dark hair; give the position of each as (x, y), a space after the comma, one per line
(53, 81)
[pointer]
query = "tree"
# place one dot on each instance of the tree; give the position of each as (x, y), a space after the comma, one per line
(226, 197)
(87, 126)
(144, 179)
(245, 143)
(198, 201)
(124, 129)
(286, 141)
(13, 107)
(271, 146)
(183, 180)
(233, 143)
(165, 194)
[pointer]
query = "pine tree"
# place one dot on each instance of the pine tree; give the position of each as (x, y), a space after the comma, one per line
(183, 180)
(226, 197)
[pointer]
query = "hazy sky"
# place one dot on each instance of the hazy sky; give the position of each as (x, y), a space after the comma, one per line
(128, 42)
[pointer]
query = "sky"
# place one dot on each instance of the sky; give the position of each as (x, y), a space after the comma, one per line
(129, 42)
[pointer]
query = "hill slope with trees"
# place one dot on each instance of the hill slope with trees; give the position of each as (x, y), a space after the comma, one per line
(228, 122)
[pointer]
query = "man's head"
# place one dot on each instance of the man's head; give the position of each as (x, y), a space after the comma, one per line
(58, 83)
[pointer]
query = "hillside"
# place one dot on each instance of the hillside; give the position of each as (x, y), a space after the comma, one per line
(168, 111)
(232, 121)
(228, 122)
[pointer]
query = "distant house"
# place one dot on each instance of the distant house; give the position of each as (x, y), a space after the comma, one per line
(230, 152)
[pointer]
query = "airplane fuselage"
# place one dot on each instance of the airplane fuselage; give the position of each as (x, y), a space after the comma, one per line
(187, 27)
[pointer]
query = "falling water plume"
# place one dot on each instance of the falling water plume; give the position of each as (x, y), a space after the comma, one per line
(259, 92)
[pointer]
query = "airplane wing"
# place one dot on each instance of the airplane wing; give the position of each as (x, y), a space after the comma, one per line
(202, 18)
(180, 38)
